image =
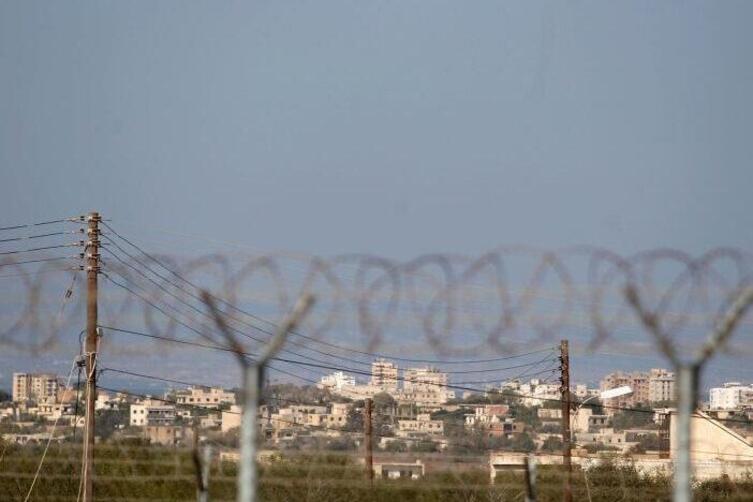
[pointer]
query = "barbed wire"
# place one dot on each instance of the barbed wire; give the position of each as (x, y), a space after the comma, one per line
(499, 302)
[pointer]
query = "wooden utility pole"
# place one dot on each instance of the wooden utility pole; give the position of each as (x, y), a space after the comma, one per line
(566, 445)
(91, 252)
(368, 439)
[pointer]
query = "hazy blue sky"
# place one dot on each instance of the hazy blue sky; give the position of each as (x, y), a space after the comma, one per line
(389, 127)
(394, 127)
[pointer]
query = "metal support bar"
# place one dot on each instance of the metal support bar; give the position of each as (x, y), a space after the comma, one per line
(687, 381)
(530, 465)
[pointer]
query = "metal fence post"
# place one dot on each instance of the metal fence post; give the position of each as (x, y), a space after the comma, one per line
(687, 380)
(253, 371)
(247, 475)
(530, 465)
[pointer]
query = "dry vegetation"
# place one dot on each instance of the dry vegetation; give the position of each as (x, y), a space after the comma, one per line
(152, 473)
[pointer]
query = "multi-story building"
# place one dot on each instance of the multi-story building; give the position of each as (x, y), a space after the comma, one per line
(165, 435)
(231, 418)
(648, 387)
(661, 385)
(206, 397)
(425, 387)
(424, 380)
(423, 424)
(637, 381)
(35, 387)
(384, 375)
(151, 412)
(337, 381)
(731, 396)
(299, 415)
(536, 392)
(338, 415)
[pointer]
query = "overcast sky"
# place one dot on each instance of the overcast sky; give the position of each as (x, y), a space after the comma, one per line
(389, 127)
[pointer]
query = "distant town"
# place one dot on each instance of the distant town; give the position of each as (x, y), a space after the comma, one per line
(414, 410)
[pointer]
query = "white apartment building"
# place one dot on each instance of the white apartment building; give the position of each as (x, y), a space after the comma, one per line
(536, 392)
(337, 381)
(35, 387)
(384, 375)
(151, 412)
(106, 401)
(731, 396)
(206, 397)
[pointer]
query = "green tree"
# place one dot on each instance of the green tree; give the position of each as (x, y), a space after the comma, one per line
(354, 423)
(527, 414)
(383, 414)
(107, 422)
(522, 442)
(648, 442)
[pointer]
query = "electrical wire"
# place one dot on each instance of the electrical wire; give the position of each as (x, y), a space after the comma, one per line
(261, 319)
(353, 370)
(39, 236)
(43, 248)
(73, 219)
(208, 316)
(49, 439)
(41, 260)
(39, 272)
(317, 363)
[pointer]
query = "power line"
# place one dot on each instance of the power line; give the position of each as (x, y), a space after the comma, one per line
(43, 248)
(323, 364)
(483, 391)
(228, 349)
(40, 260)
(40, 272)
(39, 236)
(194, 330)
(261, 319)
(353, 370)
(73, 219)
(208, 316)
